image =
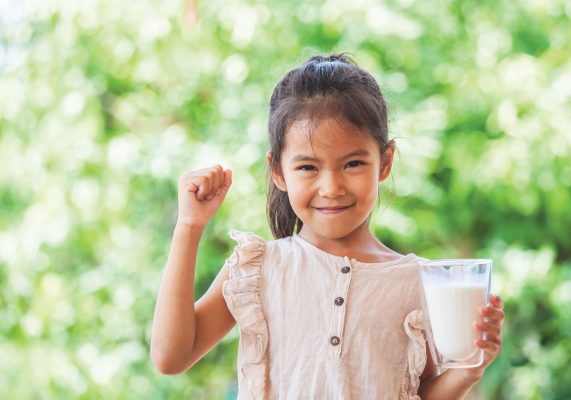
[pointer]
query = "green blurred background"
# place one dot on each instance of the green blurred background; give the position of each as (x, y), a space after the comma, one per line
(104, 104)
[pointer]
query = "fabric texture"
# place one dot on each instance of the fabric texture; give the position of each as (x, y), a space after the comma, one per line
(318, 326)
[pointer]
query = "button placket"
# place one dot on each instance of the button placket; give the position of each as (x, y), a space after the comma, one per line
(339, 305)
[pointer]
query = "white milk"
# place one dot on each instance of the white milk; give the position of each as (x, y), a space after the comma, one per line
(452, 311)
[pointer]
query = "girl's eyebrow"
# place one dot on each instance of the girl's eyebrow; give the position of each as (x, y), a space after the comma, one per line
(356, 153)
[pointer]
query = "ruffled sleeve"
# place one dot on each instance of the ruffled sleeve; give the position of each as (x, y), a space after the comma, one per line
(416, 355)
(242, 292)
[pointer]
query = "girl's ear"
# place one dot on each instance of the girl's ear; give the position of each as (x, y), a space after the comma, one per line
(387, 161)
(276, 172)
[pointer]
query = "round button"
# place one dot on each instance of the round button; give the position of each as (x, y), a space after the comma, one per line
(334, 340)
(345, 270)
(339, 301)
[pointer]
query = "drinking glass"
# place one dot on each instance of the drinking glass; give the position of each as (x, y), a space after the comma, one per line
(454, 290)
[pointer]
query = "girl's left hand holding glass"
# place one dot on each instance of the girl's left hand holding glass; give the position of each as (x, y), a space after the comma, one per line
(491, 329)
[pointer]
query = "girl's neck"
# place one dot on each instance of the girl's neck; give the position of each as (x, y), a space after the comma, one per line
(360, 244)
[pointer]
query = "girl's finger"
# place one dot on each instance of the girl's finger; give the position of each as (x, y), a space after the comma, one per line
(496, 301)
(227, 178)
(204, 188)
(493, 314)
(496, 339)
(206, 195)
(192, 187)
(217, 179)
(227, 181)
(225, 185)
(488, 327)
(488, 346)
(195, 184)
(490, 337)
(216, 182)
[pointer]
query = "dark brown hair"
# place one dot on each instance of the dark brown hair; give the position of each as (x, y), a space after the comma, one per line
(332, 86)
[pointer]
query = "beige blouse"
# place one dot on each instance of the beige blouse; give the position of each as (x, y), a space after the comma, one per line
(318, 326)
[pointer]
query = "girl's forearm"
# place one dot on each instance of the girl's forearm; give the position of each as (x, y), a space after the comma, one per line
(173, 332)
(453, 384)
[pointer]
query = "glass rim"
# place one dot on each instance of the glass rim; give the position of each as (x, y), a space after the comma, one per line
(455, 261)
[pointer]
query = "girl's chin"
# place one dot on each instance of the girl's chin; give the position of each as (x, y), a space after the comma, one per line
(333, 233)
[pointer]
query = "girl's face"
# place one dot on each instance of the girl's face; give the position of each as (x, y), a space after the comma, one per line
(331, 178)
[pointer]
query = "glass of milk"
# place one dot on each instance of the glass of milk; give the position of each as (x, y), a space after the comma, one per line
(454, 290)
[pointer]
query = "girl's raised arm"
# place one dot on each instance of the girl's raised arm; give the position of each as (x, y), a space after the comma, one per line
(183, 332)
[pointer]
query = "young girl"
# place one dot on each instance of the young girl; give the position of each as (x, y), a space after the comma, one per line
(325, 311)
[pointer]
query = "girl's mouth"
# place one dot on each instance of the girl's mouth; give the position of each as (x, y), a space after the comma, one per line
(332, 210)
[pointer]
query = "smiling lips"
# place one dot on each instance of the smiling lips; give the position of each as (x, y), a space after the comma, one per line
(332, 209)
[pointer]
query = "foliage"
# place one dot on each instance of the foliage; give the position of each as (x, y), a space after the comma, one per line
(104, 104)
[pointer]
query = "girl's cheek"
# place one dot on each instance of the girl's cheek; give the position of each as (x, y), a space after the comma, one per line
(373, 194)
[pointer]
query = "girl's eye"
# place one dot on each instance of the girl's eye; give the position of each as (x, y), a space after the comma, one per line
(356, 163)
(307, 168)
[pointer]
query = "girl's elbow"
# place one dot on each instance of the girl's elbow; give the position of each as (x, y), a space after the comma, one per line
(167, 369)
(165, 364)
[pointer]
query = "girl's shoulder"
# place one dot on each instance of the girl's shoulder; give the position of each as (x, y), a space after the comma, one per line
(245, 238)
(248, 253)
(253, 251)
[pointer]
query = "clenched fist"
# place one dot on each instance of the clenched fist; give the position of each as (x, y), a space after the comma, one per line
(200, 194)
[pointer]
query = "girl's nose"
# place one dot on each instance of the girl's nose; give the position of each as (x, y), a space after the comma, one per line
(331, 185)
